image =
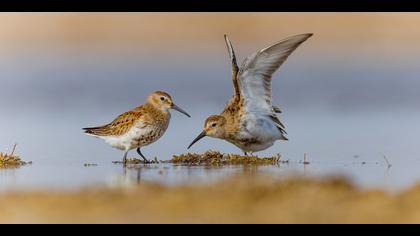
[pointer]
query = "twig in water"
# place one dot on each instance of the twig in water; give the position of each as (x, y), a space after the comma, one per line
(389, 165)
(13, 151)
(305, 159)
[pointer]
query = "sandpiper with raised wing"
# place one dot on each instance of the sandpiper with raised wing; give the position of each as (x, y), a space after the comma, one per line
(249, 120)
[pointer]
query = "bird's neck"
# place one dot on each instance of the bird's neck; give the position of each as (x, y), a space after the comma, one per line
(158, 111)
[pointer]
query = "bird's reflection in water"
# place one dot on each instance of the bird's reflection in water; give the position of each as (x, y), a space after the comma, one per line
(257, 169)
(133, 173)
(136, 174)
(250, 170)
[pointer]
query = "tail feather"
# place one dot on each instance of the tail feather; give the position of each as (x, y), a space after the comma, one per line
(276, 109)
(95, 131)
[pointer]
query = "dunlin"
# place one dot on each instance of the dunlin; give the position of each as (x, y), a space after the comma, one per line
(138, 127)
(249, 120)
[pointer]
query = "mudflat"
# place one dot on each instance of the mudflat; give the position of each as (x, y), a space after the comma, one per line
(235, 200)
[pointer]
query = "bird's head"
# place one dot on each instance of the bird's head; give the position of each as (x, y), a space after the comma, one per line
(215, 126)
(163, 101)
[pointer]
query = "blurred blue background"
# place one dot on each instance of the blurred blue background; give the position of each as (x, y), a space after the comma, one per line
(349, 91)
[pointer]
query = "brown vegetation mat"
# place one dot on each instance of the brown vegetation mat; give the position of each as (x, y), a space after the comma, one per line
(11, 160)
(217, 158)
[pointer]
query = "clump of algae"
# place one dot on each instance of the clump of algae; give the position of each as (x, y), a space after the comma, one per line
(217, 158)
(11, 160)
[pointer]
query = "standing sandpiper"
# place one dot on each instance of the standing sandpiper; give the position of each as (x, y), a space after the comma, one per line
(249, 120)
(139, 127)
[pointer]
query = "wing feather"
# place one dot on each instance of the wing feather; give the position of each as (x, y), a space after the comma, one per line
(235, 68)
(256, 72)
(119, 126)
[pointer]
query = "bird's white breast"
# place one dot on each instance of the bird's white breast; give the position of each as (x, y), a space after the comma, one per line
(132, 139)
(261, 129)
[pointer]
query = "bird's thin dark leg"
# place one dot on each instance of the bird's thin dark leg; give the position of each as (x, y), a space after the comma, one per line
(141, 154)
(125, 158)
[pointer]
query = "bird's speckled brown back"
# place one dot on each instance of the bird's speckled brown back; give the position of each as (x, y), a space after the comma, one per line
(124, 122)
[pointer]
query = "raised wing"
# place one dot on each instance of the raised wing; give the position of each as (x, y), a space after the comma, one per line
(256, 72)
(235, 67)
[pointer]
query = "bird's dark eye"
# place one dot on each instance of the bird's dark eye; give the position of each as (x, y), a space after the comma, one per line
(214, 125)
(162, 98)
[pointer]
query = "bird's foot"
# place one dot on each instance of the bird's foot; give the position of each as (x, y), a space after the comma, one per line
(147, 162)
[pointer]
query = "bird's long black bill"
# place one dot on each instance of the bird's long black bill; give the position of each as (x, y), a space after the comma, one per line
(199, 137)
(177, 108)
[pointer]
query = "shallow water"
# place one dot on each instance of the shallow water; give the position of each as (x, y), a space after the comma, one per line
(75, 176)
(335, 145)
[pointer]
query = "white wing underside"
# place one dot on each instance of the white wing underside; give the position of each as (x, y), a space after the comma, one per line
(256, 71)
